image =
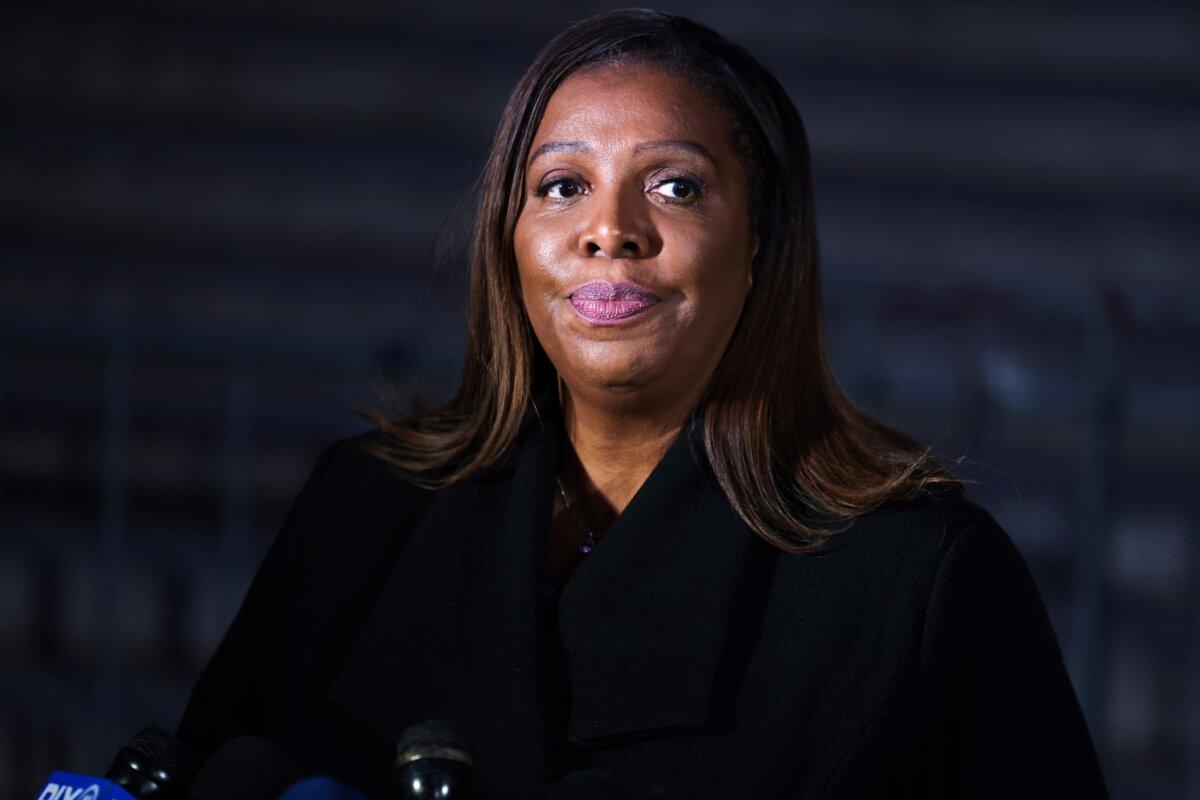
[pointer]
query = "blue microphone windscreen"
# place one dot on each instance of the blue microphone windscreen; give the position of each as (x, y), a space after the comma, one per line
(321, 788)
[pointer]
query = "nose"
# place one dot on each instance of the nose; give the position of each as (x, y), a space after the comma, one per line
(614, 228)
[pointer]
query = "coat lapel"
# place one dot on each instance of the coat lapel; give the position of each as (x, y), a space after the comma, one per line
(650, 620)
(655, 621)
(457, 629)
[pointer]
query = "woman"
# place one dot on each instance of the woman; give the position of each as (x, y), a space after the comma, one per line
(650, 533)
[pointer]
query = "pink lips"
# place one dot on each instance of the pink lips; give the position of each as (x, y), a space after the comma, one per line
(607, 303)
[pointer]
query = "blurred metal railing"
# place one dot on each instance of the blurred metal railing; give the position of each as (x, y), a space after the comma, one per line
(88, 714)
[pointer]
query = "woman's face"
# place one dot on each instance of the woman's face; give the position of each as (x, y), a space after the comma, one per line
(634, 243)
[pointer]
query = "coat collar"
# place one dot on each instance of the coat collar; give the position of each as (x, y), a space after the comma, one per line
(654, 621)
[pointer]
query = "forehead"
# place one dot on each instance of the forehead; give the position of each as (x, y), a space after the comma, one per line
(618, 106)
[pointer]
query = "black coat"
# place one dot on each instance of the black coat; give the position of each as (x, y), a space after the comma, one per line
(913, 658)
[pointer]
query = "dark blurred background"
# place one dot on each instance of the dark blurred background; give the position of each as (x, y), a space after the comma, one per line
(221, 221)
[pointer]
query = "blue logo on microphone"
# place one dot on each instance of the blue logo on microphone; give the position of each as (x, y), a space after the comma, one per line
(67, 786)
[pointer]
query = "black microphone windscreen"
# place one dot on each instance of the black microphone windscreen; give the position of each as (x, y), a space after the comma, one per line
(154, 764)
(430, 736)
(246, 768)
(591, 784)
(434, 760)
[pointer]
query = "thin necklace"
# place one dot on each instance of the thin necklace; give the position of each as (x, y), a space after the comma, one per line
(590, 538)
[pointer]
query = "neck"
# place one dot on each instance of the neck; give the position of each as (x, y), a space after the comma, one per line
(610, 449)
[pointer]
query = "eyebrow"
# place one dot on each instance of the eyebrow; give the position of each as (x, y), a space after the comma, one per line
(579, 146)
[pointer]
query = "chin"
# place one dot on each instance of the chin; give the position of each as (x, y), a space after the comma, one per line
(619, 380)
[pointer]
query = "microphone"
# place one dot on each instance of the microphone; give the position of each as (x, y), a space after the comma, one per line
(590, 784)
(154, 766)
(321, 788)
(433, 762)
(246, 768)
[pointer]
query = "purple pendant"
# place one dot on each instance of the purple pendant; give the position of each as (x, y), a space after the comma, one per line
(587, 545)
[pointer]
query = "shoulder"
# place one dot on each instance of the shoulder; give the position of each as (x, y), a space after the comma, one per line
(353, 510)
(903, 544)
(950, 531)
(353, 500)
(921, 527)
(350, 469)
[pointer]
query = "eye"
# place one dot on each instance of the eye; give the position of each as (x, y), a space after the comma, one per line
(680, 189)
(569, 189)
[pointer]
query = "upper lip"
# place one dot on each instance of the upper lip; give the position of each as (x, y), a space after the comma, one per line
(605, 290)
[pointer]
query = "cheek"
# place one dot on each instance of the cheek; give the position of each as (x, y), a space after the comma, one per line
(538, 283)
(716, 267)
(538, 265)
(522, 253)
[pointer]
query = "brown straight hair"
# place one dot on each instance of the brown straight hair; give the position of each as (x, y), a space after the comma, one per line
(781, 434)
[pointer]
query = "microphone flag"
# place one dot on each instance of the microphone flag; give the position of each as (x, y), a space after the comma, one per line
(69, 786)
